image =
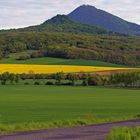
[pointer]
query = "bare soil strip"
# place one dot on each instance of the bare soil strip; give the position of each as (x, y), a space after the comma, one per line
(116, 71)
(92, 132)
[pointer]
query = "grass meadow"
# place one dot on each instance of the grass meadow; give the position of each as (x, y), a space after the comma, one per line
(124, 133)
(34, 107)
(26, 103)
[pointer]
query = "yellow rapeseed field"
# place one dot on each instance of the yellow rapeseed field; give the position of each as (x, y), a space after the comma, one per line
(46, 69)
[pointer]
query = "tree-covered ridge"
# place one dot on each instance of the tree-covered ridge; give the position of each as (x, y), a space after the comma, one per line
(114, 49)
(62, 23)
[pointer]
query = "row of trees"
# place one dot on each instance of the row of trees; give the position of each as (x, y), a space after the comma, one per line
(131, 79)
(13, 78)
(126, 79)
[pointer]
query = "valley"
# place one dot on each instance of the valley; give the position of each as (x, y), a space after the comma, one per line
(77, 69)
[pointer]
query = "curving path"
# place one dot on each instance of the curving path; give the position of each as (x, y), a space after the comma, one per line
(92, 132)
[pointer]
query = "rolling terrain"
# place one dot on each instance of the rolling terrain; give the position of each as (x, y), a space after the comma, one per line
(61, 74)
(31, 100)
(112, 49)
(56, 61)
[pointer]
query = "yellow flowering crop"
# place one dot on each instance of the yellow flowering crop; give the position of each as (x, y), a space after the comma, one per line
(46, 69)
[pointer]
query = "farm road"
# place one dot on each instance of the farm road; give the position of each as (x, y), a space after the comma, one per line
(92, 132)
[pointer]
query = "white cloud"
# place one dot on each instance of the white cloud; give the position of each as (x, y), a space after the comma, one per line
(21, 13)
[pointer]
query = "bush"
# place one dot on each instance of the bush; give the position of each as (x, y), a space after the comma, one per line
(26, 83)
(49, 83)
(57, 83)
(66, 84)
(85, 83)
(3, 82)
(95, 80)
(24, 57)
(36, 83)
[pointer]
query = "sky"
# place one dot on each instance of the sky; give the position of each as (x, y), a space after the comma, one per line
(22, 13)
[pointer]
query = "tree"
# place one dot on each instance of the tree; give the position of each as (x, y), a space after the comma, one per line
(58, 77)
(72, 77)
(16, 78)
(85, 78)
(95, 80)
(4, 78)
(11, 77)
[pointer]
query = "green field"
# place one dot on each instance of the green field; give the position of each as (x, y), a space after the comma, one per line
(58, 61)
(20, 103)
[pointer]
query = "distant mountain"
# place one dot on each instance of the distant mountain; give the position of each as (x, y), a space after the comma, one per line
(85, 19)
(62, 23)
(87, 14)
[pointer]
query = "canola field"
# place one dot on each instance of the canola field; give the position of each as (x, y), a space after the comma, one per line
(48, 69)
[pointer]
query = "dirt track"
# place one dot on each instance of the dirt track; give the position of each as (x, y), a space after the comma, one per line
(92, 132)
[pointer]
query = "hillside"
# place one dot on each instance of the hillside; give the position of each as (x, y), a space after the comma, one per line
(113, 49)
(87, 14)
(56, 61)
(62, 23)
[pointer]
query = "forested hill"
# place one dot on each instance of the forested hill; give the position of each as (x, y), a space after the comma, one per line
(62, 23)
(114, 49)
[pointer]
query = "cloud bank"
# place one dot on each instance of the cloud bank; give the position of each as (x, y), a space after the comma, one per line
(22, 13)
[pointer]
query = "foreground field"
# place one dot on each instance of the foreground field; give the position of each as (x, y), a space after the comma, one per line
(44, 69)
(19, 104)
(125, 133)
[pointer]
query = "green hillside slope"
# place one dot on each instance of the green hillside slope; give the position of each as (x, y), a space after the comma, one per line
(62, 23)
(59, 61)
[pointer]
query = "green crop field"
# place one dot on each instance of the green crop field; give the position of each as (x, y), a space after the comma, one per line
(26, 103)
(58, 61)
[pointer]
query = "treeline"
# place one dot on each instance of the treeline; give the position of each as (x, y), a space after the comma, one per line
(114, 49)
(130, 79)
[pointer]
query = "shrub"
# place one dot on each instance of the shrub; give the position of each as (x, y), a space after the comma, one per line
(36, 83)
(85, 83)
(72, 78)
(58, 77)
(95, 80)
(26, 83)
(24, 57)
(49, 83)
(3, 82)
(66, 84)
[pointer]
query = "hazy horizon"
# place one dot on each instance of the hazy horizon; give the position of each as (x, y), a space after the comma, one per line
(17, 14)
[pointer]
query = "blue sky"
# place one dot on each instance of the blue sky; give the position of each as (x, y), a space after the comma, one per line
(22, 13)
